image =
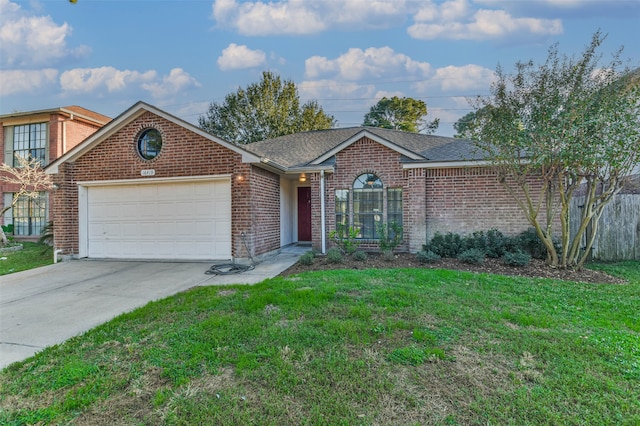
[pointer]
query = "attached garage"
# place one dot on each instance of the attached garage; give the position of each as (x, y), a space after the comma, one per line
(156, 219)
(151, 186)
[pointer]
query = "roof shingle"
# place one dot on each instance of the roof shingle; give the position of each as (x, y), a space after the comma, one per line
(300, 149)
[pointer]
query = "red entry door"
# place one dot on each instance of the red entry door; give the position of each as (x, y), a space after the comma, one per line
(304, 213)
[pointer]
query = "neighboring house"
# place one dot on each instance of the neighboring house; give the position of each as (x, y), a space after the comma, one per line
(45, 135)
(151, 186)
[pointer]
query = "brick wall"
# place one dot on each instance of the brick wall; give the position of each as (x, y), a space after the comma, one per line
(65, 134)
(255, 211)
(63, 203)
(464, 200)
(183, 153)
(265, 200)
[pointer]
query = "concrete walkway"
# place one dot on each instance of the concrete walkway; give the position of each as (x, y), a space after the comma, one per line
(46, 306)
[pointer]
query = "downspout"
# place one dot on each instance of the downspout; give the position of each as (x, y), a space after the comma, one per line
(322, 213)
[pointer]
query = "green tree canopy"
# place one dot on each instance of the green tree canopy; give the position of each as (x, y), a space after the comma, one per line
(470, 125)
(264, 110)
(572, 122)
(405, 114)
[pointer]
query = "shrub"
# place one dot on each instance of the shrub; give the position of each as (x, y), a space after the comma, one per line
(528, 241)
(449, 245)
(427, 256)
(334, 255)
(345, 238)
(307, 258)
(517, 258)
(390, 236)
(360, 256)
(388, 256)
(495, 243)
(477, 240)
(472, 256)
(46, 235)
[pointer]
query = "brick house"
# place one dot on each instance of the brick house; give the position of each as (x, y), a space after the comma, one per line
(151, 186)
(44, 134)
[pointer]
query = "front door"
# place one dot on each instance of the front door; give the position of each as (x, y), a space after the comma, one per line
(304, 213)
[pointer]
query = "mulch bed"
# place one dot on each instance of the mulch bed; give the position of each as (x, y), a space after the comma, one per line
(535, 269)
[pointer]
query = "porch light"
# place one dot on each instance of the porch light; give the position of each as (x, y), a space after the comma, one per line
(240, 178)
(303, 177)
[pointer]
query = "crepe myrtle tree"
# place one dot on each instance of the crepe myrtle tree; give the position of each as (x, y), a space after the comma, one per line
(29, 178)
(572, 122)
(406, 114)
(264, 110)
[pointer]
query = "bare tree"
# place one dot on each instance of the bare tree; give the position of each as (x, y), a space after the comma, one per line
(30, 179)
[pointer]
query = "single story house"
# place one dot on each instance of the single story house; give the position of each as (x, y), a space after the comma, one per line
(149, 185)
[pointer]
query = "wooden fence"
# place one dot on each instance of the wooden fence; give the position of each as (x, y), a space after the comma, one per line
(618, 236)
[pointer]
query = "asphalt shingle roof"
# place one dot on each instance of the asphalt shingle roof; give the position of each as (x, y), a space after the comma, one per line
(300, 149)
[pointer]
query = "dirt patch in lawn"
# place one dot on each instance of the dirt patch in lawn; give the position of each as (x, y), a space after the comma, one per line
(535, 269)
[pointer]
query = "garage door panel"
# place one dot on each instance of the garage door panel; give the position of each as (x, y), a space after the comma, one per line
(186, 220)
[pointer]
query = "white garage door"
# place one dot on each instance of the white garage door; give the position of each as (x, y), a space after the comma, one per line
(168, 220)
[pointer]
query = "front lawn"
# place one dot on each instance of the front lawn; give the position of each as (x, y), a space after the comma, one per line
(396, 346)
(32, 255)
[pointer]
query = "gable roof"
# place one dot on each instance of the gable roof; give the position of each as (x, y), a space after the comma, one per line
(315, 147)
(127, 117)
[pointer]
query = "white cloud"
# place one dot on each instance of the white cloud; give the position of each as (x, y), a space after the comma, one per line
(370, 63)
(258, 18)
(460, 79)
(95, 80)
(177, 81)
(456, 20)
(239, 57)
(324, 89)
(307, 17)
(27, 40)
(26, 81)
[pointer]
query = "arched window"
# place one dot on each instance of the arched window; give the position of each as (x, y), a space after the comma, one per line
(368, 203)
(361, 207)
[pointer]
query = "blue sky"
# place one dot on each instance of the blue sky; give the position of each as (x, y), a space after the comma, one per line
(106, 55)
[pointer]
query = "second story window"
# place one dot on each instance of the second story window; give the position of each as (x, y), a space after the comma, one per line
(30, 141)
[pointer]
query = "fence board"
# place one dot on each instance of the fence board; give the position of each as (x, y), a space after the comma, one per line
(618, 236)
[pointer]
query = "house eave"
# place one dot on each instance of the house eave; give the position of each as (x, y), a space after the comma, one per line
(310, 169)
(20, 117)
(446, 164)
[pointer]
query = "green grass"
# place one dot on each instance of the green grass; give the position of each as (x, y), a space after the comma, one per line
(31, 256)
(404, 346)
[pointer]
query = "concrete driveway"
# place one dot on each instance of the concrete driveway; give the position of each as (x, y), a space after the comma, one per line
(48, 305)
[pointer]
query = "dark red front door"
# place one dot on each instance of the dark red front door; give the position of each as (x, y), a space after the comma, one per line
(304, 214)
